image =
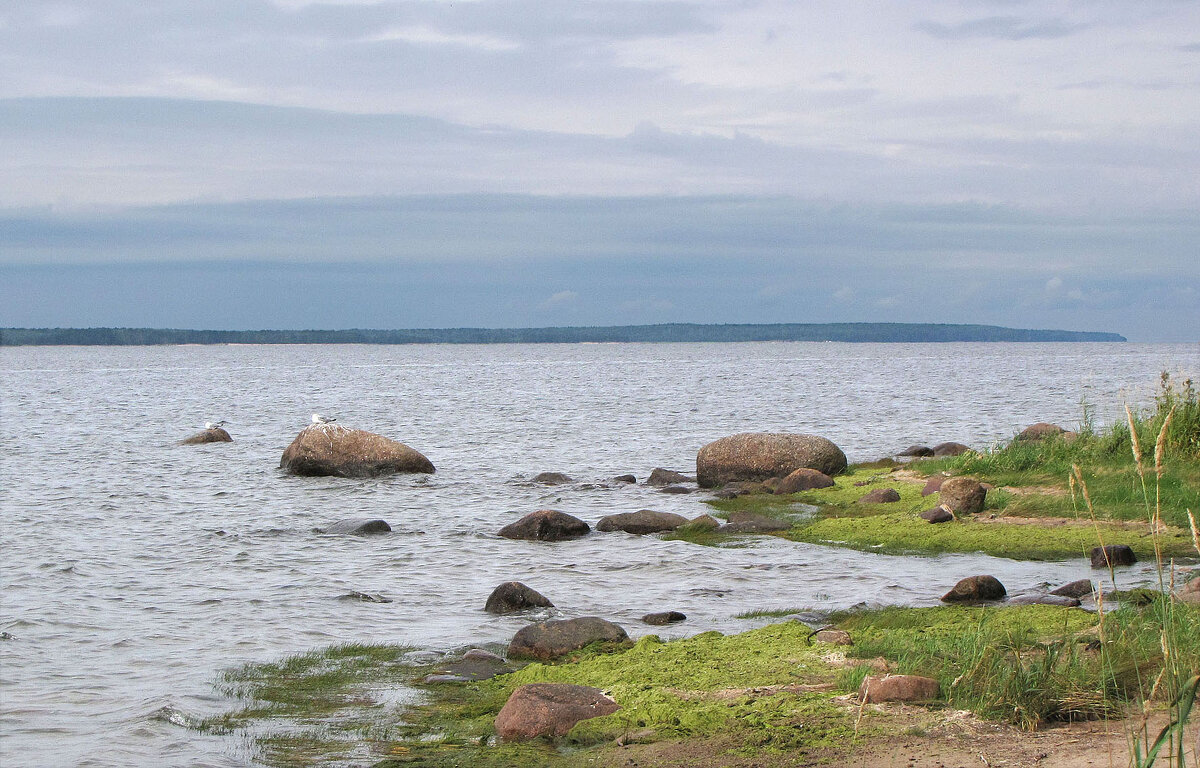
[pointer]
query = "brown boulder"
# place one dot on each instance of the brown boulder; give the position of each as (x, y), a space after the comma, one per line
(938, 514)
(330, 449)
(641, 522)
(933, 485)
(975, 588)
(1079, 588)
(962, 495)
(803, 479)
(881, 496)
(1040, 431)
(663, 618)
(549, 709)
(546, 525)
(833, 637)
(513, 596)
(950, 449)
(551, 639)
(209, 435)
(917, 451)
(1112, 555)
(702, 523)
(660, 476)
(760, 456)
(897, 688)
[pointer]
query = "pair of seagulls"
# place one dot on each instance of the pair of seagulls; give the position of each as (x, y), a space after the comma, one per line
(316, 419)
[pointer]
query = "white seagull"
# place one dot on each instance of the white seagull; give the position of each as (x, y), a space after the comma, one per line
(319, 419)
(210, 425)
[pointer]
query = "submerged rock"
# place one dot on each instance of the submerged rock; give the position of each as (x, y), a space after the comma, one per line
(546, 525)
(329, 449)
(1080, 588)
(803, 479)
(550, 639)
(881, 496)
(897, 688)
(357, 527)
(641, 522)
(660, 476)
(550, 710)
(761, 456)
(1044, 599)
(663, 618)
(513, 596)
(975, 588)
(1113, 555)
(553, 478)
(962, 495)
(209, 435)
(625, 479)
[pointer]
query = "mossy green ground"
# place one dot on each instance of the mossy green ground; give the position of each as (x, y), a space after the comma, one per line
(896, 528)
(751, 693)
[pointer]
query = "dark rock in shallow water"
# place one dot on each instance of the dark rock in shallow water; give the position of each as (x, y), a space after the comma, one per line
(760, 456)
(641, 522)
(513, 596)
(471, 668)
(676, 489)
(210, 435)
(551, 639)
(357, 527)
(549, 710)
(625, 479)
(1044, 599)
(975, 588)
(918, 451)
(950, 449)
(881, 496)
(1080, 588)
(1113, 555)
(552, 478)
(702, 523)
(962, 495)
(328, 449)
(751, 522)
(660, 476)
(663, 618)
(803, 479)
(938, 514)
(546, 525)
(364, 597)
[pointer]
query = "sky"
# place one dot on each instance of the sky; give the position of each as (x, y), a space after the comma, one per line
(243, 164)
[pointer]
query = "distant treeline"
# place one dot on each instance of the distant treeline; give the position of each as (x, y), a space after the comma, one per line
(852, 332)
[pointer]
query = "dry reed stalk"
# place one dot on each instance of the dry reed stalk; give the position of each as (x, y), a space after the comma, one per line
(1195, 532)
(1134, 443)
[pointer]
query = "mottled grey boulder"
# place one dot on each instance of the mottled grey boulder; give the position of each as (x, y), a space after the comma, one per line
(881, 496)
(1113, 555)
(803, 479)
(975, 588)
(357, 527)
(550, 639)
(962, 495)
(210, 435)
(660, 476)
(762, 456)
(546, 525)
(641, 522)
(513, 596)
(552, 478)
(549, 710)
(329, 449)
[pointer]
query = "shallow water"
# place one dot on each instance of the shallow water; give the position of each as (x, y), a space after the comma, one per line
(135, 569)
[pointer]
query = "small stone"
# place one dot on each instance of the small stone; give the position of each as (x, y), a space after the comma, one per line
(660, 476)
(881, 496)
(1080, 588)
(625, 479)
(897, 688)
(938, 514)
(357, 527)
(678, 489)
(663, 618)
(833, 637)
(1113, 555)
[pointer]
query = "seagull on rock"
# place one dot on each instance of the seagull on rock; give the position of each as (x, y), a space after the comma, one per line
(319, 419)
(210, 425)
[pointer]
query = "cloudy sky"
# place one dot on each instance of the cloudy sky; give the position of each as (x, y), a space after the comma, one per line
(251, 164)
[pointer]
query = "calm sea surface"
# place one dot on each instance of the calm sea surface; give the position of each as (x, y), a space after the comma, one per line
(134, 569)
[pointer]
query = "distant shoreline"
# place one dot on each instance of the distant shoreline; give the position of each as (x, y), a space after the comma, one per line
(672, 332)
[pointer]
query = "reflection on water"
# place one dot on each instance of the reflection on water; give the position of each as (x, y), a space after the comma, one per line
(134, 569)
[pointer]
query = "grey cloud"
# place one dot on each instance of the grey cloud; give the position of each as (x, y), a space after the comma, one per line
(1000, 28)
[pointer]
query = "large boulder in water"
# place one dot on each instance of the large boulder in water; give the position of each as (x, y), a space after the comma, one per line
(641, 522)
(330, 449)
(551, 639)
(550, 710)
(513, 596)
(209, 435)
(763, 455)
(975, 588)
(357, 527)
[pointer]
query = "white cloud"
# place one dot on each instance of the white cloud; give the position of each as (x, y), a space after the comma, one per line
(559, 299)
(423, 35)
